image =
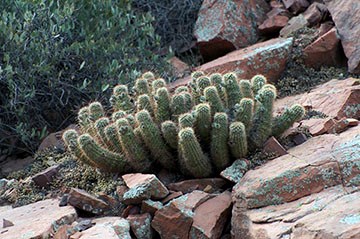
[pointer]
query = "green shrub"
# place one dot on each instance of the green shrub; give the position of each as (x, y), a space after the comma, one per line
(198, 139)
(57, 55)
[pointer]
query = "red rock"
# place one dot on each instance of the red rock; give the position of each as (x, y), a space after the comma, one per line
(45, 177)
(336, 99)
(325, 51)
(236, 171)
(211, 216)
(328, 214)
(12, 165)
(36, 220)
(81, 199)
(295, 24)
(120, 190)
(321, 162)
(324, 28)
(276, 4)
(273, 146)
(273, 25)
(7, 223)
(64, 232)
(171, 196)
(342, 125)
(316, 13)
(54, 140)
(346, 15)
(188, 186)
(175, 219)
(141, 226)
(150, 206)
(148, 182)
(278, 11)
(130, 210)
(352, 122)
(109, 228)
(180, 68)
(296, 6)
(318, 126)
(223, 26)
(267, 58)
(76, 235)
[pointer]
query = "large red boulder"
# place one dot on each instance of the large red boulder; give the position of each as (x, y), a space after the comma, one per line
(225, 25)
(346, 15)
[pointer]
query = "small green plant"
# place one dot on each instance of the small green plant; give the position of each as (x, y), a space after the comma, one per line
(176, 133)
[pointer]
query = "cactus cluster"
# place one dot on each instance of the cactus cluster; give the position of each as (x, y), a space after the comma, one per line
(198, 129)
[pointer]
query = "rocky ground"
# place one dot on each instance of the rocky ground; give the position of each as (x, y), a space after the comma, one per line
(306, 185)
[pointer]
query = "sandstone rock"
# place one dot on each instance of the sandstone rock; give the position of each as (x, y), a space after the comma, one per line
(171, 196)
(37, 220)
(279, 11)
(188, 186)
(109, 228)
(143, 186)
(319, 126)
(180, 68)
(150, 206)
(332, 213)
(223, 26)
(175, 219)
(55, 140)
(293, 25)
(211, 216)
(64, 232)
(7, 223)
(236, 171)
(267, 58)
(13, 165)
(320, 162)
(45, 177)
(273, 24)
(325, 51)
(324, 28)
(336, 98)
(296, 6)
(315, 13)
(130, 210)
(272, 146)
(81, 199)
(141, 226)
(346, 15)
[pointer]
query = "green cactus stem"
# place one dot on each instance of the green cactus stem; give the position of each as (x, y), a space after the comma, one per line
(170, 133)
(237, 140)
(132, 146)
(257, 83)
(245, 88)
(96, 111)
(84, 119)
(219, 142)
(203, 122)
(144, 103)
(131, 119)
(100, 126)
(153, 140)
(149, 76)
(118, 115)
(142, 86)
(218, 82)
(162, 105)
(104, 158)
(120, 99)
(113, 138)
(243, 112)
(186, 120)
(232, 89)
(70, 139)
(195, 161)
(287, 119)
(213, 98)
(195, 75)
(203, 82)
(180, 103)
(261, 124)
(157, 84)
(180, 89)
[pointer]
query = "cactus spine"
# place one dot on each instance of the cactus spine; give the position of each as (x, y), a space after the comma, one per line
(257, 83)
(244, 112)
(186, 120)
(113, 138)
(142, 86)
(195, 161)
(157, 84)
(144, 103)
(237, 140)
(219, 141)
(245, 88)
(217, 81)
(120, 99)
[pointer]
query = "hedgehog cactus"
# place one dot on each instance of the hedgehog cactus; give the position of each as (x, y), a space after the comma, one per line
(199, 129)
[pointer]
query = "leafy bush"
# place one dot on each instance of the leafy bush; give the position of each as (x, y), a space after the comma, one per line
(56, 55)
